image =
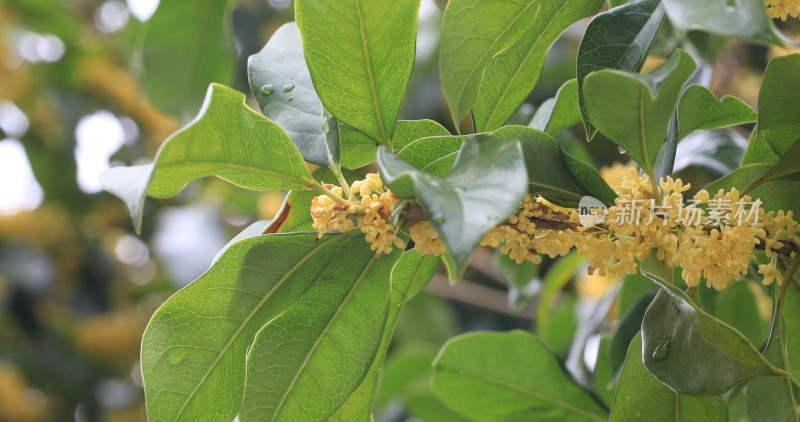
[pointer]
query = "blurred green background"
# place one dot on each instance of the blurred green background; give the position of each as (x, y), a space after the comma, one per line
(87, 84)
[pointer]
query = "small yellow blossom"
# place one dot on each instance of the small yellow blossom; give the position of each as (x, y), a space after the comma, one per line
(426, 239)
(782, 8)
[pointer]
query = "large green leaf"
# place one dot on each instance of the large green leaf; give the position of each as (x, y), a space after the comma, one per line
(473, 32)
(474, 197)
(307, 361)
(689, 350)
(737, 306)
(193, 350)
(359, 150)
(512, 74)
(184, 50)
(560, 273)
(228, 140)
(635, 110)
(618, 38)
(773, 399)
(589, 179)
(281, 83)
(508, 376)
(409, 276)
(775, 195)
(699, 110)
(743, 19)
(758, 151)
(362, 76)
(434, 155)
(641, 396)
(777, 104)
(560, 112)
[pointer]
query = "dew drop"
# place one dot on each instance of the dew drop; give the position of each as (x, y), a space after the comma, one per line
(267, 89)
(438, 218)
(288, 88)
(621, 150)
(662, 347)
(291, 98)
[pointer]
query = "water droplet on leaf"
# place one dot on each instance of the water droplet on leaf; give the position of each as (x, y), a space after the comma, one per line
(288, 88)
(267, 89)
(621, 150)
(291, 98)
(662, 347)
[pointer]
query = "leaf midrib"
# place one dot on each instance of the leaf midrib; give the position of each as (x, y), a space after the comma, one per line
(325, 330)
(318, 247)
(370, 76)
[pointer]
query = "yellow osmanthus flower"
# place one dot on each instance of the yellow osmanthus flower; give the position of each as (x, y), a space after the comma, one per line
(707, 240)
(782, 8)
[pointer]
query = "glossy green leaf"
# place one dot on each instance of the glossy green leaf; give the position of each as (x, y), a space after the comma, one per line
(474, 197)
(743, 19)
(508, 376)
(785, 170)
(758, 151)
(307, 361)
(362, 77)
(689, 350)
(435, 155)
(193, 350)
(228, 140)
(641, 396)
(589, 179)
(473, 32)
(412, 272)
(184, 50)
(558, 113)
(628, 327)
(635, 110)
(511, 75)
(618, 38)
(778, 103)
(281, 83)
(547, 173)
(358, 150)
(561, 327)
(699, 109)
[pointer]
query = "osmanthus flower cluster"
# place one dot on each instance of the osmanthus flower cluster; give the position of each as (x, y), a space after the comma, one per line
(783, 8)
(705, 239)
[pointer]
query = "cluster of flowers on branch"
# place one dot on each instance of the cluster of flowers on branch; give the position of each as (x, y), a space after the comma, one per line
(717, 247)
(782, 8)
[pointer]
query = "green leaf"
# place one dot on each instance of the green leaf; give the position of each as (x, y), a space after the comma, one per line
(508, 376)
(641, 396)
(635, 110)
(791, 326)
(627, 328)
(699, 110)
(281, 83)
(560, 329)
(412, 272)
(558, 113)
(737, 306)
(435, 155)
(634, 287)
(473, 32)
(512, 74)
(742, 19)
(474, 197)
(618, 38)
(589, 179)
(358, 150)
(785, 170)
(561, 273)
(773, 399)
(193, 350)
(184, 50)
(228, 140)
(307, 361)
(689, 350)
(547, 173)
(778, 103)
(758, 151)
(362, 77)
(408, 131)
